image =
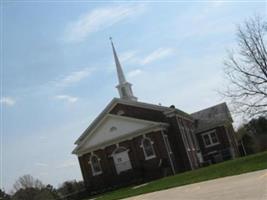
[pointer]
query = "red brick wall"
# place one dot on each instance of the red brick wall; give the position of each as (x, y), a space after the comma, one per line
(223, 142)
(180, 159)
(142, 170)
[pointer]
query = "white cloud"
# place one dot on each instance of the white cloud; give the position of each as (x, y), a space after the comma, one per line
(190, 92)
(8, 101)
(69, 99)
(132, 56)
(43, 138)
(128, 56)
(43, 174)
(157, 54)
(67, 164)
(73, 77)
(216, 4)
(99, 19)
(204, 21)
(39, 164)
(134, 73)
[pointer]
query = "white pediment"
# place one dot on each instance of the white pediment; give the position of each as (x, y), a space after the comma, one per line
(111, 128)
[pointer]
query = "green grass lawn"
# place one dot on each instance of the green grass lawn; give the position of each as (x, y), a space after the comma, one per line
(228, 168)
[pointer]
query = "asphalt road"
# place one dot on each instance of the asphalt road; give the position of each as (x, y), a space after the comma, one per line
(249, 186)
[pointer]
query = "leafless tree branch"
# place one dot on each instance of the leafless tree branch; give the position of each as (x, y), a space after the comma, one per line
(246, 69)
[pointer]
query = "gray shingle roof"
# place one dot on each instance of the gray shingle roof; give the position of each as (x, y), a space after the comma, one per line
(212, 117)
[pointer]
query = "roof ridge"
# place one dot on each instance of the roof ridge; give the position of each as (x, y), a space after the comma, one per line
(208, 108)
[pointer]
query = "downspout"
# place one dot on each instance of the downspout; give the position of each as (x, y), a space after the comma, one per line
(169, 156)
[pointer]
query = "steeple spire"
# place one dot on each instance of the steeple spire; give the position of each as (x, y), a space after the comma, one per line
(124, 88)
(120, 73)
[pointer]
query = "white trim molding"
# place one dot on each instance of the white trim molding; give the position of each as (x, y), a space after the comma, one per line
(125, 137)
(169, 154)
(112, 104)
(185, 141)
(145, 126)
(168, 146)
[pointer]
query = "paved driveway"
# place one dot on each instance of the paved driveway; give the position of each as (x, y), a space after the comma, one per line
(249, 186)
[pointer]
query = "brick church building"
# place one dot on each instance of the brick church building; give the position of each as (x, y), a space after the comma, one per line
(134, 142)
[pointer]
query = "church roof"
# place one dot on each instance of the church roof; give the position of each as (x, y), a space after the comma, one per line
(116, 101)
(211, 117)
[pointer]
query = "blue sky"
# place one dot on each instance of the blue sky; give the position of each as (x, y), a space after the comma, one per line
(58, 71)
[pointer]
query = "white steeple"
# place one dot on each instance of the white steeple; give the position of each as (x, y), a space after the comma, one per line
(124, 87)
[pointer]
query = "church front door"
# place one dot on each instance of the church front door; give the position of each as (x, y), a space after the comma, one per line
(122, 161)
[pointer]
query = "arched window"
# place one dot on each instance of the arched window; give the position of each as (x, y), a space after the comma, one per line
(148, 148)
(95, 165)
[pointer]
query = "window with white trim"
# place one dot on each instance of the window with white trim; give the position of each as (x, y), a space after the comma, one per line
(95, 165)
(148, 148)
(210, 138)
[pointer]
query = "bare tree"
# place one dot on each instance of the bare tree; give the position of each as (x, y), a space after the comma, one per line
(4, 195)
(29, 188)
(246, 69)
(27, 181)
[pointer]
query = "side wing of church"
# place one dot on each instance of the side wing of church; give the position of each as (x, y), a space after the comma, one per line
(134, 142)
